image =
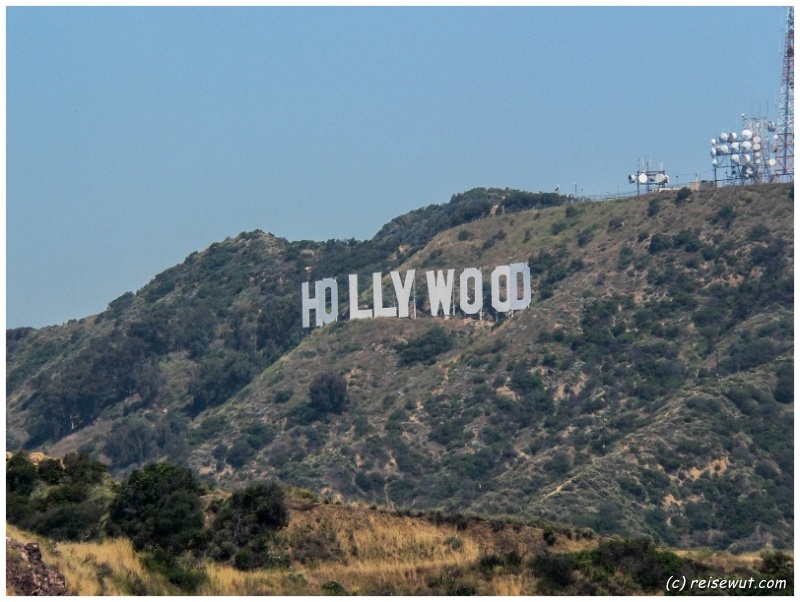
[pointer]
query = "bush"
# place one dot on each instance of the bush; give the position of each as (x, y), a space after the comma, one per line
(328, 393)
(159, 507)
(333, 588)
(69, 522)
(21, 475)
(683, 195)
(726, 214)
(245, 526)
(51, 471)
(659, 242)
(553, 568)
(186, 577)
(616, 222)
(784, 390)
(425, 349)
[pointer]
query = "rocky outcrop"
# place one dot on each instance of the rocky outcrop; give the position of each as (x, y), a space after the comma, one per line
(26, 573)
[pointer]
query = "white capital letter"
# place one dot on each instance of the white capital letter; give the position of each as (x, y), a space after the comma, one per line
(403, 291)
(377, 299)
(308, 305)
(325, 316)
(440, 290)
(355, 312)
(501, 306)
(463, 287)
(322, 315)
(518, 269)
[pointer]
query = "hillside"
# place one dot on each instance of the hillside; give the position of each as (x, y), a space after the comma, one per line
(646, 390)
(316, 545)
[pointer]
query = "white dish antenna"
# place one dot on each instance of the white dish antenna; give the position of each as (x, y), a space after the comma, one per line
(747, 134)
(642, 178)
(723, 136)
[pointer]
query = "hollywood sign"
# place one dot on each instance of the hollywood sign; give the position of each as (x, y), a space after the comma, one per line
(513, 282)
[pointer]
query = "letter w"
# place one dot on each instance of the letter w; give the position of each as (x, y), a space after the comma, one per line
(440, 290)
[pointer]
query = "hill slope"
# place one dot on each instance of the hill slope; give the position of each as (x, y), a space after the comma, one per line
(645, 390)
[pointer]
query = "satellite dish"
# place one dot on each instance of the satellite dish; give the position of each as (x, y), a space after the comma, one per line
(642, 178)
(745, 159)
(723, 136)
(733, 136)
(666, 179)
(757, 146)
(713, 152)
(746, 145)
(734, 147)
(714, 162)
(734, 158)
(722, 149)
(771, 126)
(631, 179)
(713, 141)
(772, 162)
(756, 139)
(659, 178)
(747, 134)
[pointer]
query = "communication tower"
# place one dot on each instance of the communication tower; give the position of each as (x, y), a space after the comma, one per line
(744, 157)
(648, 177)
(784, 137)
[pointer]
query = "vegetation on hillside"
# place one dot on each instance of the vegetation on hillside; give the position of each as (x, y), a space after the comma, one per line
(165, 532)
(645, 392)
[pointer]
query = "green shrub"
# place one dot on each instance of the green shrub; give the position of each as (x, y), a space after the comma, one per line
(51, 471)
(21, 475)
(784, 390)
(333, 588)
(159, 507)
(684, 194)
(328, 393)
(245, 526)
(426, 348)
(554, 569)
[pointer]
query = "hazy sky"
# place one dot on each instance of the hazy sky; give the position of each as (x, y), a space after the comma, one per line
(136, 136)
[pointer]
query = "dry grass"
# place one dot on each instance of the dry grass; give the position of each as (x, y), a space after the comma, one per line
(725, 562)
(379, 553)
(96, 568)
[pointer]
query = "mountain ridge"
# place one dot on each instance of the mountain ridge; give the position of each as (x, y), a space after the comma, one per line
(646, 312)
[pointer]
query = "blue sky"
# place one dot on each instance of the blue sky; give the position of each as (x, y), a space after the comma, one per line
(138, 135)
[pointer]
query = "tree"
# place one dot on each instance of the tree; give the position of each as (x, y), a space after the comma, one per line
(328, 393)
(158, 507)
(20, 475)
(245, 525)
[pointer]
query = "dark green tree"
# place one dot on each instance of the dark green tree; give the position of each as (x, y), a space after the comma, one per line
(158, 507)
